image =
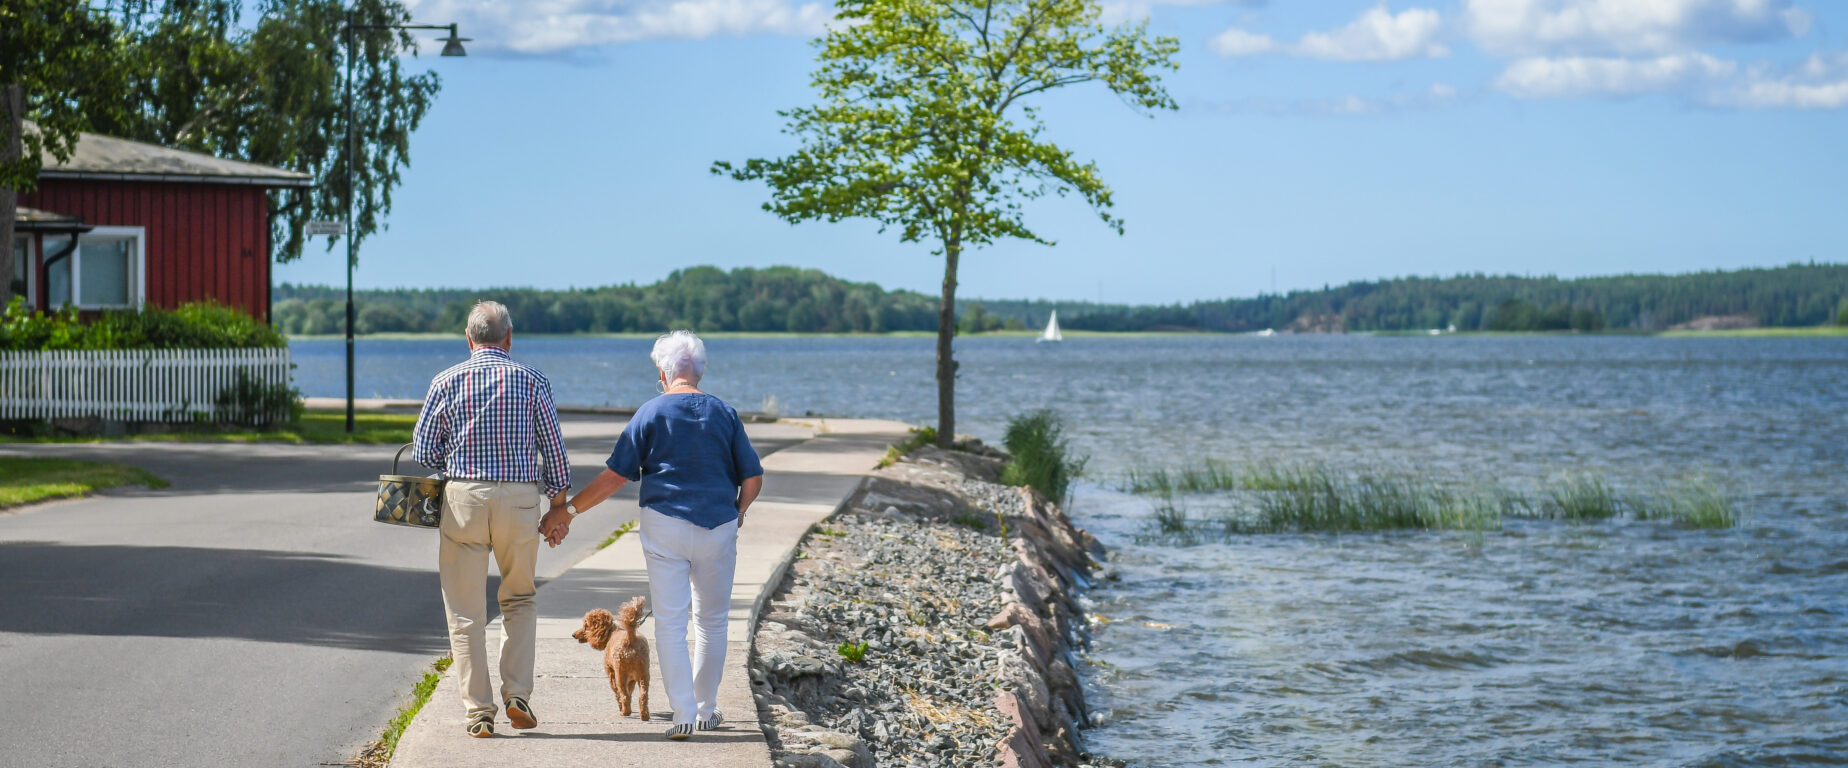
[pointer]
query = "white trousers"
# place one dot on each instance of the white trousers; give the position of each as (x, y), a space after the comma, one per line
(689, 567)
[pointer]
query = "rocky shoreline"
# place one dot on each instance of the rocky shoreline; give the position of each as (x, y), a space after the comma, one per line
(932, 622)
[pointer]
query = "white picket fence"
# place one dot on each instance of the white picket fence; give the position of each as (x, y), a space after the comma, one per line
(130, 385)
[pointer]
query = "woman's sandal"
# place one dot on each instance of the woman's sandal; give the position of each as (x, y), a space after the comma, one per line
(680, 732)
(712, 722)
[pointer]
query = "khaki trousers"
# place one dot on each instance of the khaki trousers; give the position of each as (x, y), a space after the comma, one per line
(481, 516)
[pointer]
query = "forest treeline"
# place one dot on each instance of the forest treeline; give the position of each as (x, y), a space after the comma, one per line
(809, 301)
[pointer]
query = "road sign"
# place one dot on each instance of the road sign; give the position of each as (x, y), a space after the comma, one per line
(326, 227)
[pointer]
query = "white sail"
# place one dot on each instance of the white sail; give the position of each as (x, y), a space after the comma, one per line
(1052, 329)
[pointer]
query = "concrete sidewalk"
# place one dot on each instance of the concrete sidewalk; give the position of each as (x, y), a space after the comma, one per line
(579, 724)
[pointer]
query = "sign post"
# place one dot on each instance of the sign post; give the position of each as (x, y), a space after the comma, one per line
(335, 228)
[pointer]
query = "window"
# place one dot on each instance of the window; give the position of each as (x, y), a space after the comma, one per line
(104, 272)
(22, 268)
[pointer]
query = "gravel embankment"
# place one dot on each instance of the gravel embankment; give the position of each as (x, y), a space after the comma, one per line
(962, 590)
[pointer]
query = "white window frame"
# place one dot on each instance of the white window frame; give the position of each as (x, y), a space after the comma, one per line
(32, 248)
(138, 260)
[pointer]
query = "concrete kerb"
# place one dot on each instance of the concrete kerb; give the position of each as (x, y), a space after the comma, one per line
(806, 484)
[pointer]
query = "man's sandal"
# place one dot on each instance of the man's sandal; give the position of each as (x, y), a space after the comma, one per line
(680, 732)
(710, 722)
(521, 714)
(481, 726)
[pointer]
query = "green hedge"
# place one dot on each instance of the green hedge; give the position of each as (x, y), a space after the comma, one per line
(202, 325)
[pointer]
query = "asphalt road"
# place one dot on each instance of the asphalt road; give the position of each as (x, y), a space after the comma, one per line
(251, 614)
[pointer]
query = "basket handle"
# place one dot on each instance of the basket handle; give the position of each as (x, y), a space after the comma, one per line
(399, 455)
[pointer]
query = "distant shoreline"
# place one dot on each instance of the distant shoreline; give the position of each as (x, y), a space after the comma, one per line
(1825, 331)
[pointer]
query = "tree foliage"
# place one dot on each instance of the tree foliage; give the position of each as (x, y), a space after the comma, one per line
(60, 53)
(1796, 295)
(777, 299)
(267, 85)
(924, 122)
(52, 54)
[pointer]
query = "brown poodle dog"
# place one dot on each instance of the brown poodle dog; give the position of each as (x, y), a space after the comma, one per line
(625, 661)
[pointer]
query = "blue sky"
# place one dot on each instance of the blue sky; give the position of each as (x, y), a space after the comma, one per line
(1319, 142)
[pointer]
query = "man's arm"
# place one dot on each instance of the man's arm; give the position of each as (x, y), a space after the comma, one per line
(430, 438)
(551, 443)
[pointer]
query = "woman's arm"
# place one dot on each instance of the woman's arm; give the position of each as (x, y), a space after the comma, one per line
(747, 493)
(557, 523)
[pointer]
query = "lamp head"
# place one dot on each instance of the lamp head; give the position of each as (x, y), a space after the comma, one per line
(452, 45)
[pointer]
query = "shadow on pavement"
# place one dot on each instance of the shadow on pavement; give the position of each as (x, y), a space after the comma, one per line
(165, 591)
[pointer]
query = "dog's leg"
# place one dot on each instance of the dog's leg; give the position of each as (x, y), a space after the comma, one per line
(624, 692)
(644, 695)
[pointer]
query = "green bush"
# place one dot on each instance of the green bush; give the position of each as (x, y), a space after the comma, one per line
(249, 402)
(200, 325)
(1041, 457)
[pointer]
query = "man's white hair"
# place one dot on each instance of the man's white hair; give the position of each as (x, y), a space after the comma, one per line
(489, 324)
(680, 355)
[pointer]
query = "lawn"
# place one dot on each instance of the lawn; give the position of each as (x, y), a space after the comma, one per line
(25, 481)
(314, 427)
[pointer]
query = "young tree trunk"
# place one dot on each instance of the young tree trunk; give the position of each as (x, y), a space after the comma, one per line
(946, 361)
(12, 103)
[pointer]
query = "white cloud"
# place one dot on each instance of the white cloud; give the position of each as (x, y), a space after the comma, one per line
(550, 26)
(1376, 35)
(1541, 77)
(1118, 11)
(1821, 82)
(1238, 42)
(1625, 27)
(1379, 35)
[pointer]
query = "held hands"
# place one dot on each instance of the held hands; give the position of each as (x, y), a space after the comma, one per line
(557, 522)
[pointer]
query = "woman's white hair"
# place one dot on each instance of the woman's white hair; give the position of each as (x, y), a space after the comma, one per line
(680, 355)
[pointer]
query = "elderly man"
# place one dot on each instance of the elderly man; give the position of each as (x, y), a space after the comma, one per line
(486, 424)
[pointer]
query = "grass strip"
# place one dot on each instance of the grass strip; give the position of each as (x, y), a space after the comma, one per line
(314, 427)
(617, 534)
(29, 480)
(379, 753)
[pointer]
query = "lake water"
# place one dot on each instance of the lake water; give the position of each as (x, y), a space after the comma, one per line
(1544, 642)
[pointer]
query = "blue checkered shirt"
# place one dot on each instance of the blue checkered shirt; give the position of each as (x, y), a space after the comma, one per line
(492, 419)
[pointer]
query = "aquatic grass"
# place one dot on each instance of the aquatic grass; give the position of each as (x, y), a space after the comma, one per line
(1213, 475)
(1042, 456)
(1580, 496)
(1694, 501)
(1372, 500)
(1311, 497)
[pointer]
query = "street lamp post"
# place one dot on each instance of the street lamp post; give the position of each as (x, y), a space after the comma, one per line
(452, 46)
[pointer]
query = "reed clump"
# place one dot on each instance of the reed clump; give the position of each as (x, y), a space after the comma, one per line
(1695, 501)
(1042, 457)
(1580, 496)
(1371, 501)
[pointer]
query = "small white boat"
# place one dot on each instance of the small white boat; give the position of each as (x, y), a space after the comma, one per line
(1052, 330)
(1267, 332)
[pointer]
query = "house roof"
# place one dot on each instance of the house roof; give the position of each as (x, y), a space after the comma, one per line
(109, 158)
(35, 220)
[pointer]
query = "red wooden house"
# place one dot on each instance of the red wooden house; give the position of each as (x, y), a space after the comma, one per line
(123, 224)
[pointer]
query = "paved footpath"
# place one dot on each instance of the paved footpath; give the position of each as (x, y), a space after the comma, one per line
(579, 724)
(251, 614)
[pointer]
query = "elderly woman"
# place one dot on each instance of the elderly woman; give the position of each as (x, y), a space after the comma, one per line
(699, 475)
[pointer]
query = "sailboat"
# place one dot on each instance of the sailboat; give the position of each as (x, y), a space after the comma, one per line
(1052, 330)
